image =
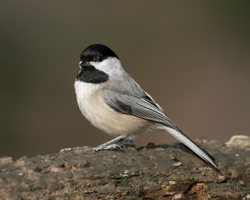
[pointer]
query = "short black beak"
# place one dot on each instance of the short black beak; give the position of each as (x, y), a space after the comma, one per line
(83, 64)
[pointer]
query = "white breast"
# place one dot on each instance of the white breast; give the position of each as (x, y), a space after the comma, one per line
(86, 96)
(93, 107)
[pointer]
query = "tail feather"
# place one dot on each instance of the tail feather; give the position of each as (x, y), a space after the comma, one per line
(190, 144)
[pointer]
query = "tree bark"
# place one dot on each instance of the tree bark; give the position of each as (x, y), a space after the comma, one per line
(152, 172)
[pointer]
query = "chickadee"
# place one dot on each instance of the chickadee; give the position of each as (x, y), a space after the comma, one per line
(113, 102)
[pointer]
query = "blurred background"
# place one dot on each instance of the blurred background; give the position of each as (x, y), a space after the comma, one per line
(192, 57)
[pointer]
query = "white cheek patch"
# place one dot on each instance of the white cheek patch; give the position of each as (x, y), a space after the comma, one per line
(111, 66)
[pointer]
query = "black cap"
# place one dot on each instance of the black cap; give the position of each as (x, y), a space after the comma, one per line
(96, 53)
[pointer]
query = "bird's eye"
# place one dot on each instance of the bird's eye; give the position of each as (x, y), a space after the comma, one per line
(99, 58)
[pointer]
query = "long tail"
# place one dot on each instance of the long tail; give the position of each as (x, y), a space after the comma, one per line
(189, 143)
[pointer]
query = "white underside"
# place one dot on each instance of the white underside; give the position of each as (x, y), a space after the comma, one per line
(93, 107)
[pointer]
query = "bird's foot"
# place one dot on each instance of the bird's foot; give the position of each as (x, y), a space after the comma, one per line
(109, 147)
(126, 143)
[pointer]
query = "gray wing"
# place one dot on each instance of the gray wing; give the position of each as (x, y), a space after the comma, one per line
(143, 107)
(146, 108)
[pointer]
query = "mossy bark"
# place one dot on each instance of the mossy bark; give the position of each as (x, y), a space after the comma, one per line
(153, 172)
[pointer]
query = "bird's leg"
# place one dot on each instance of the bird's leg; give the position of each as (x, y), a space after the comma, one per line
(109, 145)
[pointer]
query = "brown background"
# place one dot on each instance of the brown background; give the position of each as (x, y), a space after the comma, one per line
(193, 57)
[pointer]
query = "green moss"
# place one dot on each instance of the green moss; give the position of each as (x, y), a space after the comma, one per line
(182, 176)
(213, 195)
(125, 182)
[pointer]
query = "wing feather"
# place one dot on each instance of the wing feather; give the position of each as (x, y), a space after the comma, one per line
(145, 107)
(139, 107)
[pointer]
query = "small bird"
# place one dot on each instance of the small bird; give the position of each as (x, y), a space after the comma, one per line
(115, 103)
